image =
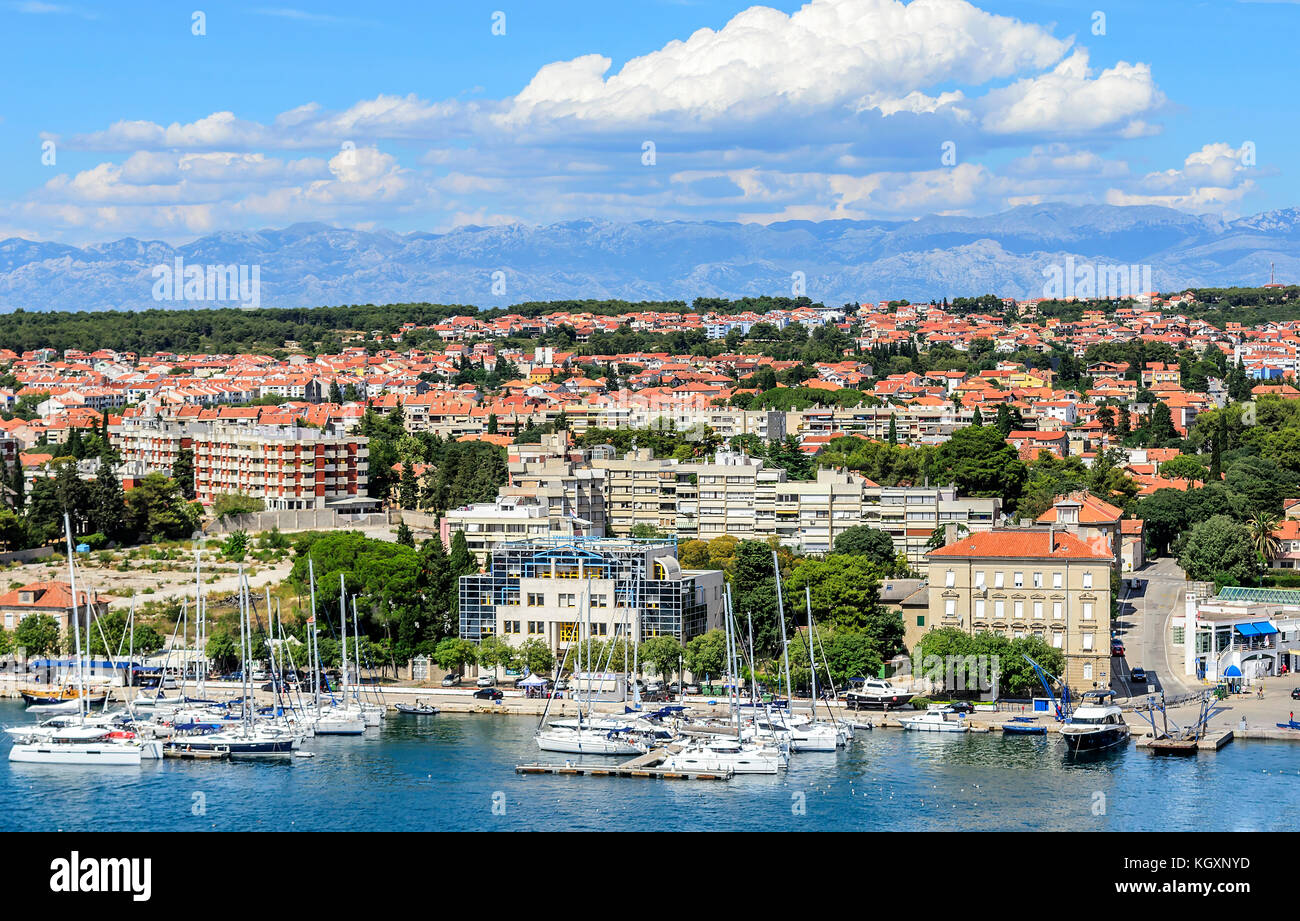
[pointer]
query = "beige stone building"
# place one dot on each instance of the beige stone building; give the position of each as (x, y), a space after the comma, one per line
(1044, 582)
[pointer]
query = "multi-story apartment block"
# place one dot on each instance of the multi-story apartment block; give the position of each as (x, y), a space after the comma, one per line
(741, 496)
(550, 588)
(1045, 582)
(285, 466)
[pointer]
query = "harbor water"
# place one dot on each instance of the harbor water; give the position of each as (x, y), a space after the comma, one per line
(457, 772)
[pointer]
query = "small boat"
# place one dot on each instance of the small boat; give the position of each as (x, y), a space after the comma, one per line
(937, 720)
(1023, 726)
(722, 756)
(1291, 725)
(419, 708)
(1096, 725)
(876, 694)
(569, 741)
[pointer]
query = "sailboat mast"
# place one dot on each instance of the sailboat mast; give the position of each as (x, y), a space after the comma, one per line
(785, 646)
(343, 616)
(311, 622)
(812, 658)
(76, 623)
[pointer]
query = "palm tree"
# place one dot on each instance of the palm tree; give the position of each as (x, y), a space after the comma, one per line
(1262, 525)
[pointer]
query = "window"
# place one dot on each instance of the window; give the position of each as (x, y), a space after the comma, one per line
(510, 627)
(1087, 642)
(1058, 610)
(979, 608)
(1057, 639)
(599, 601)
(1038, 580)
(1087, 671)
(1018, 580)
(536, 599)
(1087, 580)
(920, 620)
(997, 579)
(1087, 610)
(1056, 580)
(999, 609)
(950, 578)
(536, 626)
(568, 601)
(1038, 610)
(979, 579)
(950, 607)
(1020, 610)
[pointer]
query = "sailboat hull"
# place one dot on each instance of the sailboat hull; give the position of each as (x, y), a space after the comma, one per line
(106, 755)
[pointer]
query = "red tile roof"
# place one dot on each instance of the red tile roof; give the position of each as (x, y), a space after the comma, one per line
(1023, 544)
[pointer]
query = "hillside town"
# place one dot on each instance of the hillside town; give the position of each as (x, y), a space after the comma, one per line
(1050, 433)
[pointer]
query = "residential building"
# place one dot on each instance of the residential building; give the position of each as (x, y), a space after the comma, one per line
(1018, 582)
(287, 467)
(52, 598)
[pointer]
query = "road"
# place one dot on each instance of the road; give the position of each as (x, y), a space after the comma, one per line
(1143, 626)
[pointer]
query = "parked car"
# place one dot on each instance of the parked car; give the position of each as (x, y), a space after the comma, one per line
(961, 706)
(451, 681)
(1116, 648)
(488, 694)
(486, 681)
(1295, 693)
(1138, 676)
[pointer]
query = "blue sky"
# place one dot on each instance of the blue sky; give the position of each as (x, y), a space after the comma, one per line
(416, 116)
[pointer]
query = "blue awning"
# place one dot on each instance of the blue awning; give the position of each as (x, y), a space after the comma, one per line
(1256, 628)
(1232, 672)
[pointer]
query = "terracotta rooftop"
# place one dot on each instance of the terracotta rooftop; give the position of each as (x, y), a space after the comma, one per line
(1042, 543)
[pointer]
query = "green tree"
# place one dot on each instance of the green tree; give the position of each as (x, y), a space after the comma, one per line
(108, 513)
(1184, 467)
(706, 655)
(158, 509)
(864, 540)
(452, 654)
(183, 472)
(37, 635)
(536, 656)
(236, 503)
(662, 653)
(404, 535)
(754, 593)
(494, 652)
(1219, 549)
(980, 463)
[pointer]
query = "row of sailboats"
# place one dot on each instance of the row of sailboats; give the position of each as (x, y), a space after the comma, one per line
(158, 724)
(757, 738)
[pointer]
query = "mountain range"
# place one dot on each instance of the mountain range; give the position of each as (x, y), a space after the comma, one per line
(1010, 254)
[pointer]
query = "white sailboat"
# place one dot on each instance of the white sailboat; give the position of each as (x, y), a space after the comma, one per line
(83, 745)
(344, 719)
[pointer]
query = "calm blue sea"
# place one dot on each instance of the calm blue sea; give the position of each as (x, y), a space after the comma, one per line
(456, 772)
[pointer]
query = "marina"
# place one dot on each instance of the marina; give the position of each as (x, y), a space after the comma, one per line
(444, 773)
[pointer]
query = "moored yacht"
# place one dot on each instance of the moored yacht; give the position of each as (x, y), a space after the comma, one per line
(876, 694)
(1097, 724)
(941, 719)
(723, 755)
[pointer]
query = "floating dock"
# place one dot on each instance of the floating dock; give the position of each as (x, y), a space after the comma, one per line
(640, 766)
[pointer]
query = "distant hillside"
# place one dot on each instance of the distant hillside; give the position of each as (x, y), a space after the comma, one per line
(309, 265)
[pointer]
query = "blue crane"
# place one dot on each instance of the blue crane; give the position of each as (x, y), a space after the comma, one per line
(1063, 705)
